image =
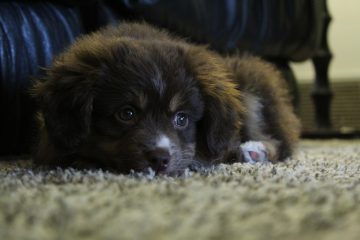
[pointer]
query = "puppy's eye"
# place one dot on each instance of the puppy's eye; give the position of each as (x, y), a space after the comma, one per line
(181, 120)
(126, 114)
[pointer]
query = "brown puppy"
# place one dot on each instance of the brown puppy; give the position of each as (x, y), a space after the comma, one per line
(133, 97)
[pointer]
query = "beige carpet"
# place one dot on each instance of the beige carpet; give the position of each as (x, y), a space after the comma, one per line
(316, 195)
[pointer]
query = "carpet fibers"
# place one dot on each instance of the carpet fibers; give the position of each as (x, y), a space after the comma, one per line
(315, 195)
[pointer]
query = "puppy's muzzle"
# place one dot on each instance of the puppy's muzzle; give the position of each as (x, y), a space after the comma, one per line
(159, 159)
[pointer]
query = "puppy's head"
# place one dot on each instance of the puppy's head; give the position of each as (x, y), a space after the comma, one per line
(134, 105)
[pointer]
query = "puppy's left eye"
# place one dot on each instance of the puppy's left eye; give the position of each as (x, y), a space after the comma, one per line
(181, 120)
(126, 114)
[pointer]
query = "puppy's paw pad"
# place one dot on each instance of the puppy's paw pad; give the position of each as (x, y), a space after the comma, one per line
(254, 152)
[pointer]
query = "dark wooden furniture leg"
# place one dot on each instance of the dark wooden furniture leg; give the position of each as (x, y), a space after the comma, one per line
(322, 93)
(288, 75)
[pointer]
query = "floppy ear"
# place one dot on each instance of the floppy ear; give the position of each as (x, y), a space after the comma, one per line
(219, 129)
(65, 100)
(66, 95)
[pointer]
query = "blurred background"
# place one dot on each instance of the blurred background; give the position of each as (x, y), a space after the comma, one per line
(344, 71)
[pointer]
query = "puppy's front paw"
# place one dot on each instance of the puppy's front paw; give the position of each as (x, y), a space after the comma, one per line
(254, 152)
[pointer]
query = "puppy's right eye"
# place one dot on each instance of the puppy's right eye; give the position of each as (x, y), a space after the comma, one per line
(126, 114)
(181, 120)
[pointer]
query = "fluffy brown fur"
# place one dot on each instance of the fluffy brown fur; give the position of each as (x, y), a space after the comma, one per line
(133, 97)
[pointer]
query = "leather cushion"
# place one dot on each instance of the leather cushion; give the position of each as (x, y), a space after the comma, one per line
(288, 29)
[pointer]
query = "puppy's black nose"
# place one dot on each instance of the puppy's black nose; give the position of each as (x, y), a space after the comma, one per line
(159, 159)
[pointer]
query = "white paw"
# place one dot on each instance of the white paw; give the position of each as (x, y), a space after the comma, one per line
(254, 152)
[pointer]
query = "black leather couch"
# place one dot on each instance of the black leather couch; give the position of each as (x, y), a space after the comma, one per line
(32, 32)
